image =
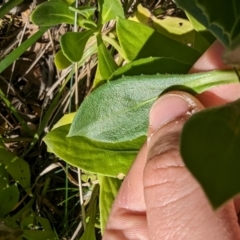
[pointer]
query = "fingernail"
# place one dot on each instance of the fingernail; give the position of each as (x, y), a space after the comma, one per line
(169, 107)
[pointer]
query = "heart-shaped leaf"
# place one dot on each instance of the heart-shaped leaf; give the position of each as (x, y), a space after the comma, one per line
(210, 149)
(151, 43)
(118, 110)
(73, 44)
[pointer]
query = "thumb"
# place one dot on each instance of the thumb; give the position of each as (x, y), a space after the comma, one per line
(176, 206)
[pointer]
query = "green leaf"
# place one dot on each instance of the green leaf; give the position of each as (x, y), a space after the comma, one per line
(73, 44)
(139, 41)
(118, 110)
(61, 61)
(65, 120)
(142, 15)
(109, 10)
(16, 167)
(106, 62)
(210, 149)
(8, 6)
(151, 66)
(193, 7)
(114, 42)
(226, 29)
(15, 54)
(8, 199)
(51, 13)
(182, 31)
(200, 28)
(108, 191)
(92, 156)
(178, 29)
(98, 81)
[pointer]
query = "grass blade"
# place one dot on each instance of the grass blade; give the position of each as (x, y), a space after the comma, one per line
(7, 61)
(9, 6)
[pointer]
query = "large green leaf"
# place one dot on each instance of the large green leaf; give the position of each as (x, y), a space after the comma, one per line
(106, 63)
(210, 149)
(108, 191)
(92, 156)
(8, 199)
(51, 13)
(109, 10)
(73, 44)
(224, 22)
(118, 110)
(139, 41)
(16, 167)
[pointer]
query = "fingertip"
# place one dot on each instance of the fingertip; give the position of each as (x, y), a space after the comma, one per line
(170, 106)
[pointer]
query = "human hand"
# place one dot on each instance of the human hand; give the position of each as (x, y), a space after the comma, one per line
(159, 198)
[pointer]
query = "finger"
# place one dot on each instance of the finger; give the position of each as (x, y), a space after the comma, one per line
(175, 203)
(128, 215)
(128, 219)
(210, 60)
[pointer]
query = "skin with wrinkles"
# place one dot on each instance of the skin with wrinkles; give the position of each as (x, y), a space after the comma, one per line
(159, 198)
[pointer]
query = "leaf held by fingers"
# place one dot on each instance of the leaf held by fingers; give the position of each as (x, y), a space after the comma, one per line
(118, 110)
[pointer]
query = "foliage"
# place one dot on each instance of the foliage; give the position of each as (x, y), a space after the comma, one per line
(220, 151)
(139, 57)
(115, 115)
(226, 29)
